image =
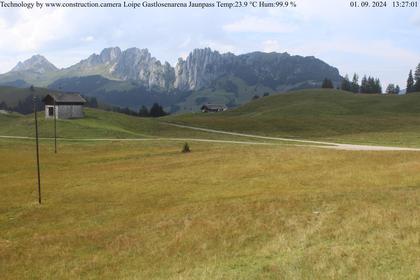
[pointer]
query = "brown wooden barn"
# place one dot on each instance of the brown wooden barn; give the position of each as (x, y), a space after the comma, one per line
(67, 105)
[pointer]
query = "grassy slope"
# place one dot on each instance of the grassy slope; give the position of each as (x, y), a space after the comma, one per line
(45, 79)
(100, 124)
(12, 95)
(324, 115)
(219, 95)
(146, 211)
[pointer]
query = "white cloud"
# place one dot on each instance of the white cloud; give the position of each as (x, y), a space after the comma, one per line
(374, 48)
(332, 11)
(415, 19)
(88, 39)
(219, 46)
(3, 24)
(31, 30)
(7, 63)
(380, 58)
(271, 46)
(185, 43)
(259, 25)
(351, 39)
(184, 55)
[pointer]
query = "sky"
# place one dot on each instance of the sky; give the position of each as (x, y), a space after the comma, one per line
(383, 42)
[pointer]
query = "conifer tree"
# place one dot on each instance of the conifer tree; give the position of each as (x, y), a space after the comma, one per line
(377, 86)
(370, 85)
(390, 89)
(157, 111)
(417, 78)
(410, 82)
(355, 84)
(143, 112)
(327, 83)
(364, 85)
(345, 84)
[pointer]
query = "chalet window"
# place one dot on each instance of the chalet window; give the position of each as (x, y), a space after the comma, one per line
(50, 111)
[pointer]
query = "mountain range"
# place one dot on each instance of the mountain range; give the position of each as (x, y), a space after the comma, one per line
(133, 77)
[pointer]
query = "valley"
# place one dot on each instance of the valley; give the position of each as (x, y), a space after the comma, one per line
(133, 77)
(120, 199)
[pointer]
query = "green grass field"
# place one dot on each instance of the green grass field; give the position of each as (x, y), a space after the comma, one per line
(327, 115)
(144, 210)
(99, 124)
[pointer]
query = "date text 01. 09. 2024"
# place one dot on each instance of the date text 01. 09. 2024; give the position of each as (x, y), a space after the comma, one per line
(384, 4)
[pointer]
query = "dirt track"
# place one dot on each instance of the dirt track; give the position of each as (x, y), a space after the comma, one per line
(305, 143)
(319, 144)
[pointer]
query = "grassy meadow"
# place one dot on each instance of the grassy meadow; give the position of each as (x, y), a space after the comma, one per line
(147, 211)
(144, 210)
(326, 115)
(100, 124)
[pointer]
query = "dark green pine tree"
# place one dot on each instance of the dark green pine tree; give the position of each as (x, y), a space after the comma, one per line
(364, 85)
(3, 106)
(377, 86)
(327, 83)
(355, 84)
(157, 111)
(390, 89)
(144, 112)
(93, 102)
(410, 82)
(417, 78)
(345, 84)
(371, 85)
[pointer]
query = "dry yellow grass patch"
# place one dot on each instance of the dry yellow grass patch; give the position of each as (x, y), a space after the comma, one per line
(147, 211)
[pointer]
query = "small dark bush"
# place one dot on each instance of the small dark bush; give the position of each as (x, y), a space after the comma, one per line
(186, 148)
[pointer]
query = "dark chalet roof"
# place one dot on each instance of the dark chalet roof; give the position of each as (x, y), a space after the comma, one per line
(214, 106)
(64, 98)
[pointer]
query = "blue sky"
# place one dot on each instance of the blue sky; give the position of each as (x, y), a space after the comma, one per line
(381, 42)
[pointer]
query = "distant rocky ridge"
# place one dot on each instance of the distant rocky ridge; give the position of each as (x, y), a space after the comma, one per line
(37, 64)
(199, 70)
(133, 77)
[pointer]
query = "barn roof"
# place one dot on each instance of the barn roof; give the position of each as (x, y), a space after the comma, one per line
(65, 97)
(214, 106)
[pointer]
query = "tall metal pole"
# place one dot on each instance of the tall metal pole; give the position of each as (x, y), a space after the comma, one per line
(37, 151)
(55, 128)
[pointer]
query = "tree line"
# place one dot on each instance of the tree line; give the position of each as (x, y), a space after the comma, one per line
(26, 106)
(370, 84)
(154, 112)
(413, 81)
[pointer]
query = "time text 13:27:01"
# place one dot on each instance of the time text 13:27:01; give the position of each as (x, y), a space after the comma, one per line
(384, 4)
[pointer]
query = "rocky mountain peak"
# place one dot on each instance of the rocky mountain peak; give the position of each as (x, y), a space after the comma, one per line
(106, 57)
(201, 67)
(139, 65)
(110, 54)
(36, 63)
